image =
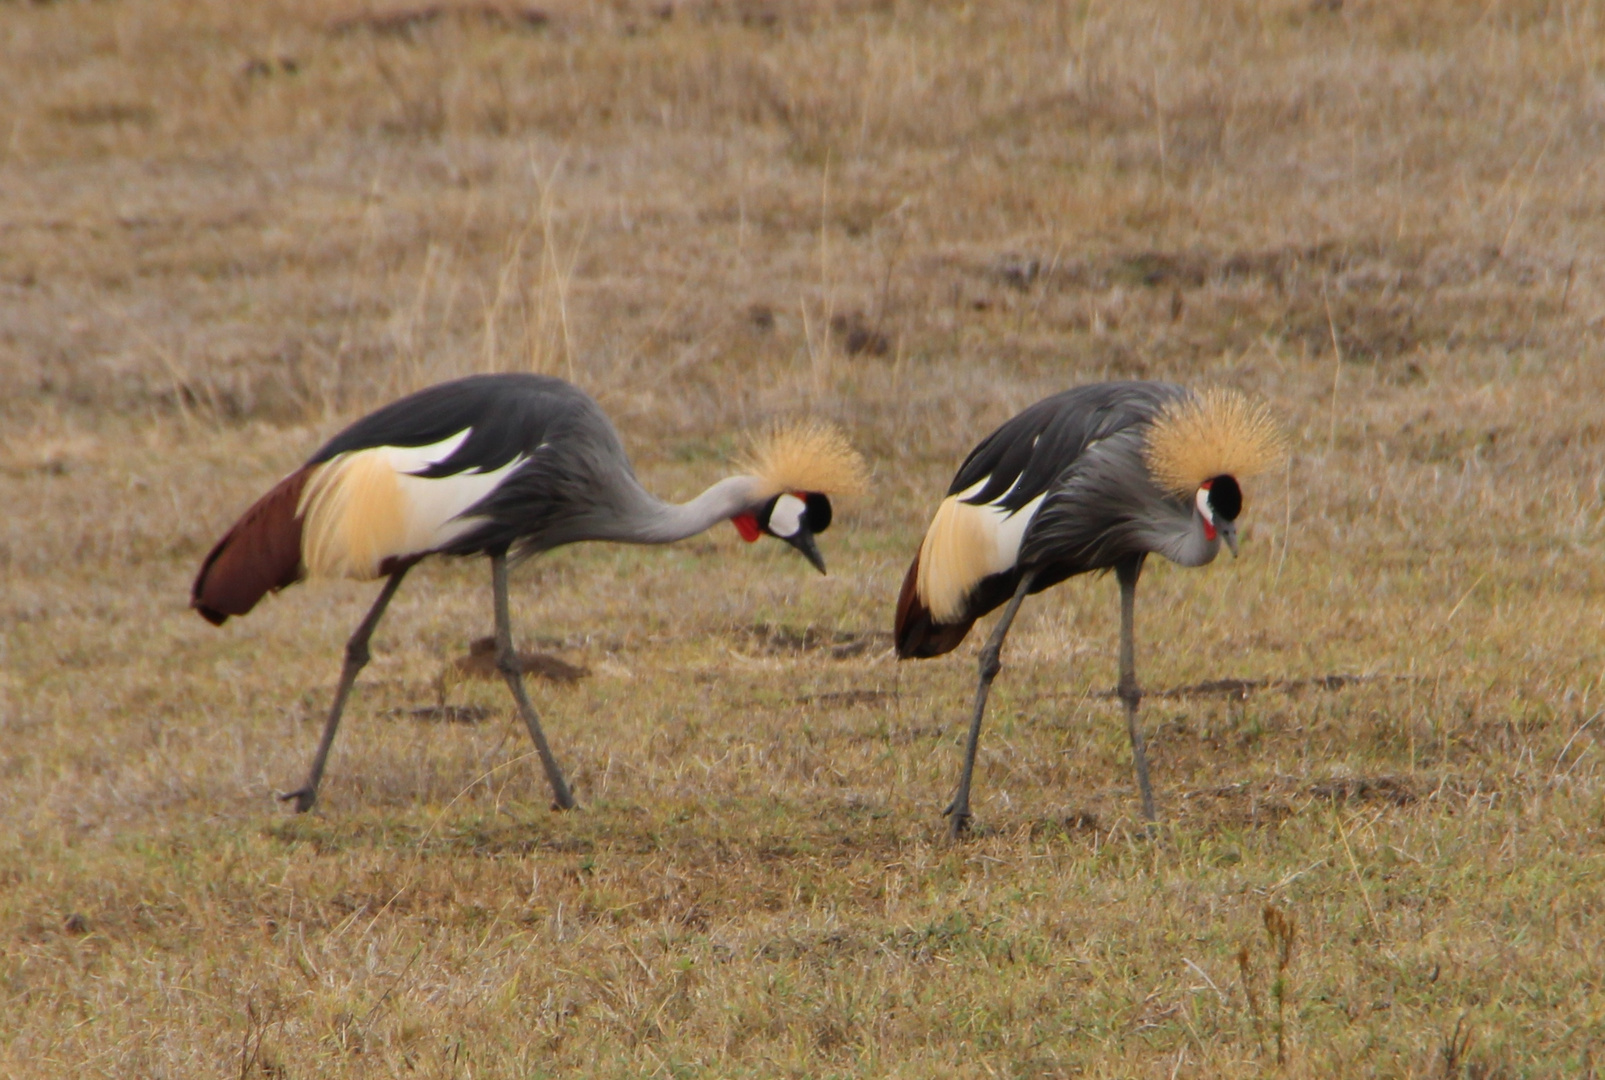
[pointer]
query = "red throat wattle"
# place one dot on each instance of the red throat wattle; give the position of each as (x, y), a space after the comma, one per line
(747, 526)
(1209, 526)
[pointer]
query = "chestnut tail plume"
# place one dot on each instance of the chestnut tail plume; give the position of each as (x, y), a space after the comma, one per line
(916, 634)
(259, 555)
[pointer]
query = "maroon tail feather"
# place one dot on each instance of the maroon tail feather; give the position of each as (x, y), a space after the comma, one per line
(260, 554)
(916, 634)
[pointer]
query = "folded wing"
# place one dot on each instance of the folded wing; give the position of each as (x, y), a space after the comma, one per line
(981, 536)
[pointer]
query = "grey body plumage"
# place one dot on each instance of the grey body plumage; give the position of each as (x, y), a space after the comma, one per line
(575, 483)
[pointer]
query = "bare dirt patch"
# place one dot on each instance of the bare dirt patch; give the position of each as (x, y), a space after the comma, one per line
(480, 663)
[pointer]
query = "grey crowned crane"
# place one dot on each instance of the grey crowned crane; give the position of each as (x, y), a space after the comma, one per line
(1095, 478)
(493, 465)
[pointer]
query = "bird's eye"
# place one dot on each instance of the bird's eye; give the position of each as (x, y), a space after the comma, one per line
(818, 515)
(1225, 498)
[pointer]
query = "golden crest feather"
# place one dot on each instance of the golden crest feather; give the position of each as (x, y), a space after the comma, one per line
(810, 456)
(1212, 433)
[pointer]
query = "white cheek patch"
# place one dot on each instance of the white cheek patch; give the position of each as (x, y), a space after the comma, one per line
(1204, 507)
(786, 518)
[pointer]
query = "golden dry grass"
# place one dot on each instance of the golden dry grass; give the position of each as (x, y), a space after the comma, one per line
(226, 229)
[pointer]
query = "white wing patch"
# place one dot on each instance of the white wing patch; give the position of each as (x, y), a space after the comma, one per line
(1010, 529)
(366, 506)
(965, 543)
(434, 507)
(416, 459)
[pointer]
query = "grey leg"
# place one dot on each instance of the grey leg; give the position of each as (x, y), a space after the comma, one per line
(1130, 693)
(356, 660)
(507, 664)
(959, 809)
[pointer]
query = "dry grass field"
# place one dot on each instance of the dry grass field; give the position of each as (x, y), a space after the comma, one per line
(228, 228)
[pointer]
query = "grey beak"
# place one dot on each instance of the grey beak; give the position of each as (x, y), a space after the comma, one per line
(1228, 533)
(804, 542)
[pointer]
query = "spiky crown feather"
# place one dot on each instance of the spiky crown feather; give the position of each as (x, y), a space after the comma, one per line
(809, 456)
(1213, 433)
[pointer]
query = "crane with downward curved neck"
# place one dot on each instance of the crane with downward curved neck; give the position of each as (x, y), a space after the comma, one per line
(1095, 478)
(503, 466)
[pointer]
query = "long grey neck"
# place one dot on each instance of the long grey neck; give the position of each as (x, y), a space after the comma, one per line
(653, 521)
(1181, 540)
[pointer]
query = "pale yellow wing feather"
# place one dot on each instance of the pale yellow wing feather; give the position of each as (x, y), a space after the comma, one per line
(354, 516)
(958, 551)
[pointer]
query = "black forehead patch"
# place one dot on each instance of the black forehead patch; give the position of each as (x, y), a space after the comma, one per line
(1225, 498)
(817, 514)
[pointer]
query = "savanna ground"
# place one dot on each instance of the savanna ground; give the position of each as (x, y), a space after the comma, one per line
(226, 229)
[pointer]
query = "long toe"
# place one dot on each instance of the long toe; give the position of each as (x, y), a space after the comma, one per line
(303, 799)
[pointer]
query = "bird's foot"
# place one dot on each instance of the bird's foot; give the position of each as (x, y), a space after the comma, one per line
(958, 820)
(303, 797)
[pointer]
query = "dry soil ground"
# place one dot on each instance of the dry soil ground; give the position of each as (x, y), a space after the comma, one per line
(228, 228)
